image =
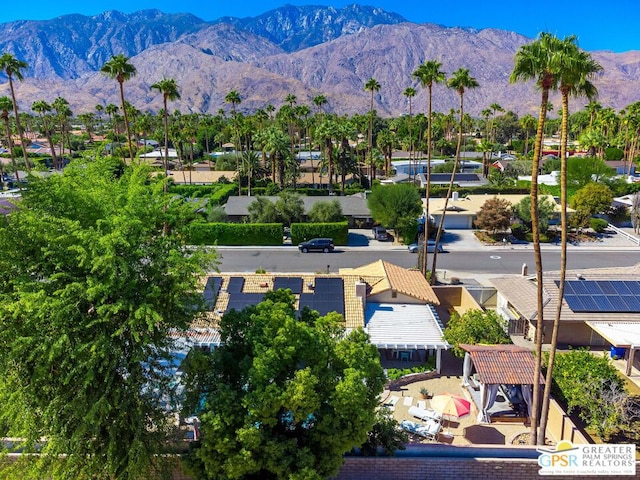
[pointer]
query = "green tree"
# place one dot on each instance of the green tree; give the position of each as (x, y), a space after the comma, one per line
(290, 208)
(592, 199)
(428, 73)
(395, 206)
(373, 86)
(285, 397)
(460, 81)
(263, 210)
(494, 215)
(582, 171)
(233, 97)
(169, 89)
(326, 212)
(544, 212)
(386, 435)
(475, 327)
(43, 108)
(119, 69)
(13, 67)
(91, 293)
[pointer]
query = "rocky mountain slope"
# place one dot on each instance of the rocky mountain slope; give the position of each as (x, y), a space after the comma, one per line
(305, 51)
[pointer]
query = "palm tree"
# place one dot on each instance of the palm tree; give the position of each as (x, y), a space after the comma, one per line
(13, 68)
(326, 132)
(169, 89)
(428, 73)
(538, 61)
(527, 123)
(43, 108)
(63, 112)
(112, 111)
(6, 104)
(233, 97)
(119, 68)
(460, 81)
(372, 86)
(320, 101)
(495, 107)
(575, 70)
(410, 92)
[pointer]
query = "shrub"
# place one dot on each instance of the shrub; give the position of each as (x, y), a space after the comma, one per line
(598, 225)
(235, 234)
(306, 231)
(517, 230)
(396, 373)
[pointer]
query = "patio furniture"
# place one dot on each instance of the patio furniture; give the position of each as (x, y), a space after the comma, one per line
(422, 404)
(451, 405)
(391, 403)
(425, 414)
(407, 401)
(428, 430)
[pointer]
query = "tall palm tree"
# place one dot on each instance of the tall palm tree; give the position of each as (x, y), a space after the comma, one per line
(6, 104)
(326, 131)
(112, 110)
(495, 108)
(527, 123)
(119, 68)
(538, 61)
(13, 68)
(63, 112)
(576, 68)
(233, 97)
(43, 108)
(460, 81)
(428, 73)
(169, 89)
(372, 86)
(410, 92)
(320, 101)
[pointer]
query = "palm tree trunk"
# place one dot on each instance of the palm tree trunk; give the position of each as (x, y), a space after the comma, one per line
(23, 143)
(446, 201)
(11, 155)
(535, 228)
(546, 399)
(126, 119)
(427, 189)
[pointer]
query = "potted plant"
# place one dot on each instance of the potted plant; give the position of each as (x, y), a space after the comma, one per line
(424, 391)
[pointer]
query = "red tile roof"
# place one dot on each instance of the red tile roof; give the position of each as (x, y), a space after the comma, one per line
(508, 364)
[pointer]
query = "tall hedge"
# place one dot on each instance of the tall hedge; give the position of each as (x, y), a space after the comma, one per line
(218, 193)
(236, 234)
(306, 231)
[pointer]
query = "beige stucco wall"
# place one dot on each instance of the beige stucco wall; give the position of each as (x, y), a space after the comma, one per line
(560, 426)
(387, 297)
(456, 297)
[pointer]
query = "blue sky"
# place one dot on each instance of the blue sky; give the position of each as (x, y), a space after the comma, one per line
(611, 25)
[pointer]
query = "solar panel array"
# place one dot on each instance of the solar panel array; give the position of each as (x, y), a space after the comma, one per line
(604, 296)
(327, 296)
(238, 301)
(211, 290)
(292, 283)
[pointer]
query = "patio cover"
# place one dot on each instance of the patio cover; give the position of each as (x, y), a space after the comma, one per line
(620, 334)
(496, 365)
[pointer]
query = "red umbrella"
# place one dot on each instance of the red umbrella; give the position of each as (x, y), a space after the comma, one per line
(452, 405)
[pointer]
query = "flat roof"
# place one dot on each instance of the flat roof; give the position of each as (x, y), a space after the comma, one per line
(403, 326)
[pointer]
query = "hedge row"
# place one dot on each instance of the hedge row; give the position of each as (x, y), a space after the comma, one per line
(273, 189)
(236, 234)
(306, 231)
(218, 193)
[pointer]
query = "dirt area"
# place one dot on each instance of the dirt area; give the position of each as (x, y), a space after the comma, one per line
(456, 431)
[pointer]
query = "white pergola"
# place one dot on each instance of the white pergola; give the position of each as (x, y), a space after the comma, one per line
(620, 334)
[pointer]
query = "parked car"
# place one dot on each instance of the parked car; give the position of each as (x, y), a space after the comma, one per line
(431, 247)
(380, 234)
(318, 245)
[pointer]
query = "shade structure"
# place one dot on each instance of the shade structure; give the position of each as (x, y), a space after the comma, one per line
(451, 405)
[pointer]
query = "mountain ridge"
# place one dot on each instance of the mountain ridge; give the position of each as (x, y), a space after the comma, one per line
(209, 59)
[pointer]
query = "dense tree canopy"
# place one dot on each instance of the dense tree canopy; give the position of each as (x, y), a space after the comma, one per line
(395, 206)
(285, 397)
(475, 327)
(545, 211)
(95, 278)
(326, 212)
(494, 215)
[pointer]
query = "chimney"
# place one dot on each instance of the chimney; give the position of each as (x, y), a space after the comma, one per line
(454, 196)
(361, 292)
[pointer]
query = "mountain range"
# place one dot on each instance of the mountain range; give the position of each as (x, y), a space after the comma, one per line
(304, 51)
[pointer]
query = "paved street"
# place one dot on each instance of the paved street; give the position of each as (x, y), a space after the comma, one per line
(464, 256)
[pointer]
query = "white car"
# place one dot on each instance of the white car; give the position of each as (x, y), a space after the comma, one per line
(431, 247)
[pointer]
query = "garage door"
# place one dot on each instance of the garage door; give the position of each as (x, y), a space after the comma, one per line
(453, 222)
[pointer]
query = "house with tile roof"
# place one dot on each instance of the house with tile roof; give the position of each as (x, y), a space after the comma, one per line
(600, 308)
(394, 305)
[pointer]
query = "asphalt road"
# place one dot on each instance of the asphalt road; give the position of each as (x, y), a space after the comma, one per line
(494, 261)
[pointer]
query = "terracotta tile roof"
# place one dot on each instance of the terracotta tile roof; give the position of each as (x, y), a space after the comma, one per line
(508, 364)
(383, 276)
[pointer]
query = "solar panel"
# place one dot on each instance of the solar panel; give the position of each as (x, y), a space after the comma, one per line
(238, 301)
(292, 283)
(211, 290)
(235, 284)
(329, 285)
(603, 296)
